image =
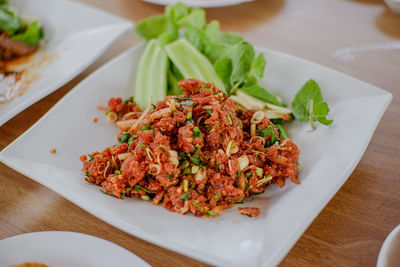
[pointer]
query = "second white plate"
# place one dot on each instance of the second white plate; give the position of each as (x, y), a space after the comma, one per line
(75, 36)
(65, 249)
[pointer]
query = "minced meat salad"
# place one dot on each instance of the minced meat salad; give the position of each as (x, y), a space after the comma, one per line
(198, 152)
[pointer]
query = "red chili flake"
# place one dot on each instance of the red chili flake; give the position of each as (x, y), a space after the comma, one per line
(95, 120)
(53, 151)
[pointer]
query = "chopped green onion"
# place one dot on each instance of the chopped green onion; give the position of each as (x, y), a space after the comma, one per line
(238, 200)
(138, 188)
(185, 185)
(170, 175)
(146, 127)
(196, 160)
(216, 125)
(184, 165)
(209, 213)
(142, 145)
(203, 87)
(90, 157)
(88, 174)
(197, 206)
(298, 165)
(195, 169)
(196, 132)
(209, 111)
(117, 172)
(127, 189)
(145, 197)
(248, 174)
(124, 138)
(217, 166)
(230, 120)
(259, 172)
(129, 99)
(187, 171)
(130, 140)
(154, 131)
(123, 195)
(189, 115)
(238, 174)
(184, 196)
(217, 195)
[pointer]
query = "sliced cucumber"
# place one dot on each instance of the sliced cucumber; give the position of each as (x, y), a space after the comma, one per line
(151, 77)
(192, 64)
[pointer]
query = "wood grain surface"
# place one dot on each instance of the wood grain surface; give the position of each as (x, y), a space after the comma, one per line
(359, 38)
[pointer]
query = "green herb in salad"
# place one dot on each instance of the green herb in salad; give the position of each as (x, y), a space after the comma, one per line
(309, 105)
(16, 28)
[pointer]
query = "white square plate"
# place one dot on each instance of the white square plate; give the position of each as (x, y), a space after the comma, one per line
(328, 156)
(75, 36)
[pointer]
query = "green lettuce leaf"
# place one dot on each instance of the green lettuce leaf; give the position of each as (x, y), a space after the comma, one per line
(31, 36)
(309, 105)
(9, 22)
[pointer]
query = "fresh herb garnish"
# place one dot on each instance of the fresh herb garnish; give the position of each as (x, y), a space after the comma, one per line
(124, 138)
(309, 105)
(88, 174)
(142, 145)
(269, 133)
(217, 195)
(196, 132)
(90, 157)
(146, 127)
(209, 213)
(138, 188)
(170, 175)
(129, 99)
(117, 172)
(238, 200)
(189, 115)
(230, 120)
(184, 196)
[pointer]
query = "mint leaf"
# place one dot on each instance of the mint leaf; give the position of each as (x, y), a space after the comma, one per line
(31, 36)
(309, 105)
(9, 22)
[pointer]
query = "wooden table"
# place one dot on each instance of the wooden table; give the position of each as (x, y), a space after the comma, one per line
(352, 227)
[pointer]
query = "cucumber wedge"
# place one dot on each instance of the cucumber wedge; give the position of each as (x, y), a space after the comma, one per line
(192, 64)
(151, 77)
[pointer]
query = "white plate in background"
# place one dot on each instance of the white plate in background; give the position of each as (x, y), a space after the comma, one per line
(75, 36)
(199, 3)
(389, 256)
(65, 249)
(328, 155)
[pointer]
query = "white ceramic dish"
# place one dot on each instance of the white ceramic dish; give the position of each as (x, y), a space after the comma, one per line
(65, 249)
(394, 5)
(328, 156)
(199, 3)
(75, 35)
(389, 256)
